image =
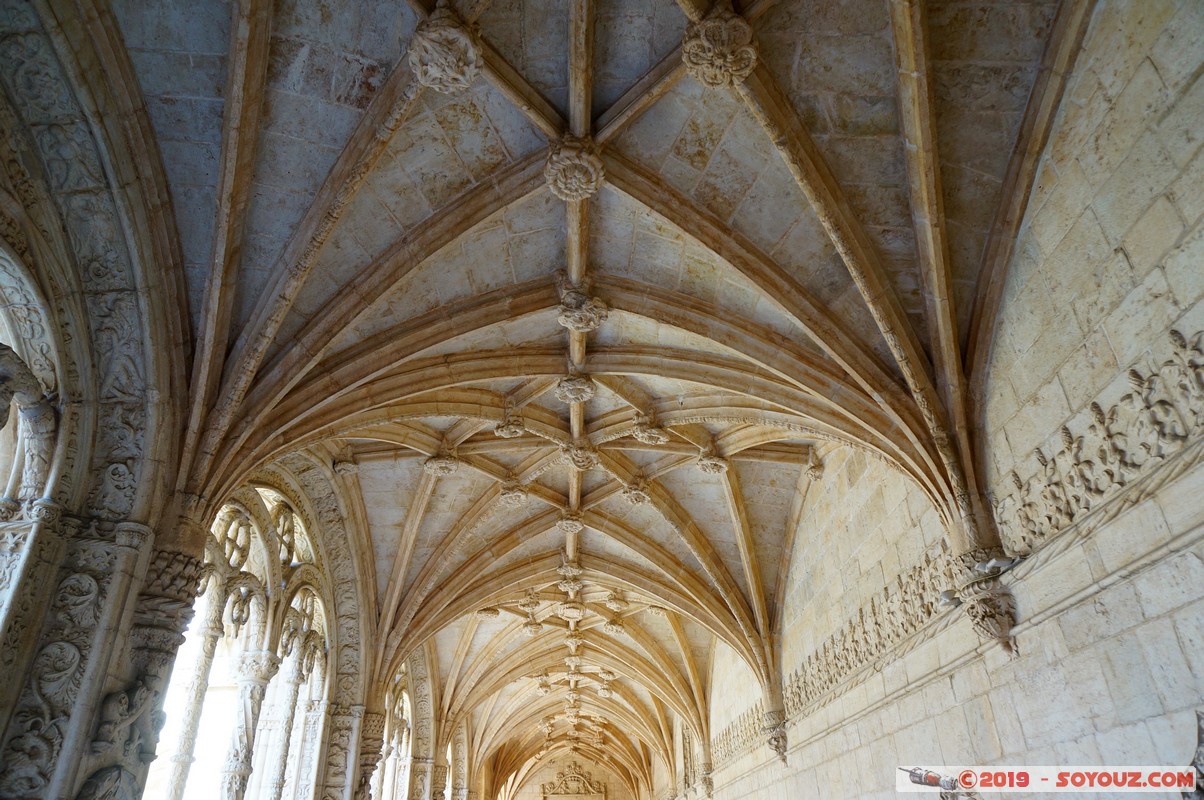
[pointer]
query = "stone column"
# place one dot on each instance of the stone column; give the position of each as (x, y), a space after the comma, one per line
(51, 737)
(420, 779)
(255, 671)
(340, 766)
(294, 677)
(315, 714)
(438, 782)
(211, 633)
(372, 738)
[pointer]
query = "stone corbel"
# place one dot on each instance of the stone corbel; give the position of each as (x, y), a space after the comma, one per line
(986, 601)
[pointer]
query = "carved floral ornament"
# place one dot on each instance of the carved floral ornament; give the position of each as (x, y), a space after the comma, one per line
(1162, 415)
(718, 49)
(573, 171)
(443, 53)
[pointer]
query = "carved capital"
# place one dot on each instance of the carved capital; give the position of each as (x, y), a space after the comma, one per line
(574, 171)
(443, 53)
(718, 49)
(258, 668)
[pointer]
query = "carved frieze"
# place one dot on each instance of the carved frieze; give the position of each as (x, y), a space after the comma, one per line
(1161, 414)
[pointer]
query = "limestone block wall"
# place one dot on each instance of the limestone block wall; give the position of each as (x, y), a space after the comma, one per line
(1110, 257)
(1109, 671)
(864, 526)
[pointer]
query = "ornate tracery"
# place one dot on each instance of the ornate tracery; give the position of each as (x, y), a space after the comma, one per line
(265, 619)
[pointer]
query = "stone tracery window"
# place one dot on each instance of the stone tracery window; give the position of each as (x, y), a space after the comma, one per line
(247, 702)
(392, 777)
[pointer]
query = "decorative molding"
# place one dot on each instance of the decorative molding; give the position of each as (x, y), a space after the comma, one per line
(443, 54)
(718, 49)
(891, 617)
(574, 170)
(573, 780)
(1161, 416)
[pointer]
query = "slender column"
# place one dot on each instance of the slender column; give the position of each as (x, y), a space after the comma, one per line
(385, 772)
(255, 671)
(211, 633)
(315, 713)
(438, 781)
(419, 779)
(294, 678)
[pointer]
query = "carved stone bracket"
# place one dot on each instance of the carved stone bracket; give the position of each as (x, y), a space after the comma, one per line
(773, 726)
(718, 49)
(443, 55)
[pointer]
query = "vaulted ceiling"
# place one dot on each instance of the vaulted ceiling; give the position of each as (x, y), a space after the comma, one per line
(586, 382)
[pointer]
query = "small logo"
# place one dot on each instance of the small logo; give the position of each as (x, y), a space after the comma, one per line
(968, 779)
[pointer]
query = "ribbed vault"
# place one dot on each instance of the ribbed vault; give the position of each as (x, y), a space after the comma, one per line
(578, 327)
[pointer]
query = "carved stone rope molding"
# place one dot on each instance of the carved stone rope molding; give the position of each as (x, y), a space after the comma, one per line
(1158, 419)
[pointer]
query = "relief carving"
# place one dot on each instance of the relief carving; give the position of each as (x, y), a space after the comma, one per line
(579, 312)
(574, 170)
(718, 49)
(575, 389)
(443, 54)
(1161, 415)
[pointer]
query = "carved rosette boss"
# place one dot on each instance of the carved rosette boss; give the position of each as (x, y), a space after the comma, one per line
(574, 170)
(718, 49)
(443, 54)
(578, 311)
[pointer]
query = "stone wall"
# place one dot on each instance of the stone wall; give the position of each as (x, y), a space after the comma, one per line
(1109, 257)
(864, 531)
(1109, 671)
